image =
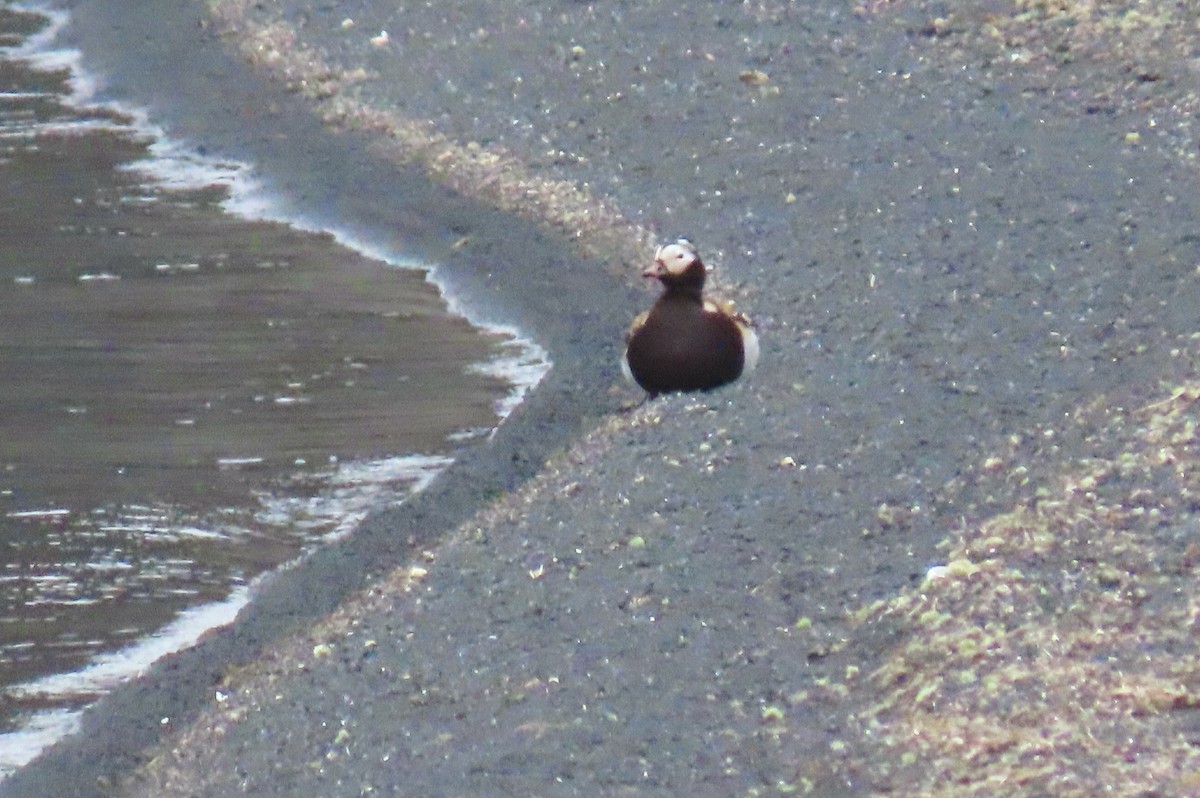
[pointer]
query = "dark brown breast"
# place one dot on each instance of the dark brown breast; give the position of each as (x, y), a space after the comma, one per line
(684, 347)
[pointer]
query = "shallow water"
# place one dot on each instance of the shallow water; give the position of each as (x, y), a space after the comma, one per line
(188, 399)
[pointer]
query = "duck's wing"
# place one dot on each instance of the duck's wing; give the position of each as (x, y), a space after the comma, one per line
(638, 323)
(745, 326)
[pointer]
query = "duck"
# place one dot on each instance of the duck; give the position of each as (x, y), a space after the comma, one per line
(686, 342)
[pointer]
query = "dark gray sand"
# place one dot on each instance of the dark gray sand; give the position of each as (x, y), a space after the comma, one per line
(971, 260)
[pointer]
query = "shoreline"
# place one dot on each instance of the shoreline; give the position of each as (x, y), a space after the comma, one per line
(514, 368)
(172, 165)
(712, 593)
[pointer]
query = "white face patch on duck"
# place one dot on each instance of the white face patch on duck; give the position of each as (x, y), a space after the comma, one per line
(676, 258)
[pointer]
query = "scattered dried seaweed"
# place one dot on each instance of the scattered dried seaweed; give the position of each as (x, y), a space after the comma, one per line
(1131, 58)
(487, 172)
(1055, 653)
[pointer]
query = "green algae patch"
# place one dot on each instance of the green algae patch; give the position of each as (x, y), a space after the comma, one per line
(1056, 650)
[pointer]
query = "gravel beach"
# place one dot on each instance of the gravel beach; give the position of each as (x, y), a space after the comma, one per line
(943, 540)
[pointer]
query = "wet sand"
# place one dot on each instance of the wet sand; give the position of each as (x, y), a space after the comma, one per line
(971, 286)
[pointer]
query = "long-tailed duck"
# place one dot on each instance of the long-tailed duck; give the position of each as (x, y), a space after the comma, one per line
(686, 342)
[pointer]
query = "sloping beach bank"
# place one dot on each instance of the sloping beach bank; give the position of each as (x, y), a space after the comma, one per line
(975, 278)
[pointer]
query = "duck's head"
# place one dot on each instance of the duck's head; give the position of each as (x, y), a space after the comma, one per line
(678, 265)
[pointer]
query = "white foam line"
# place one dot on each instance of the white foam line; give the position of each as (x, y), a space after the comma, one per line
(525, 364)
(419, 469)
(105, 672)
(25, 95)
(523, 369)
(37, 49)
(56, 512)
(354, 490)
(78, 127)
(38, 733)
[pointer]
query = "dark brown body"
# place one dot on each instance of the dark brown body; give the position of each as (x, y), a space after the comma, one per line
(684, 343)
(684, 346)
